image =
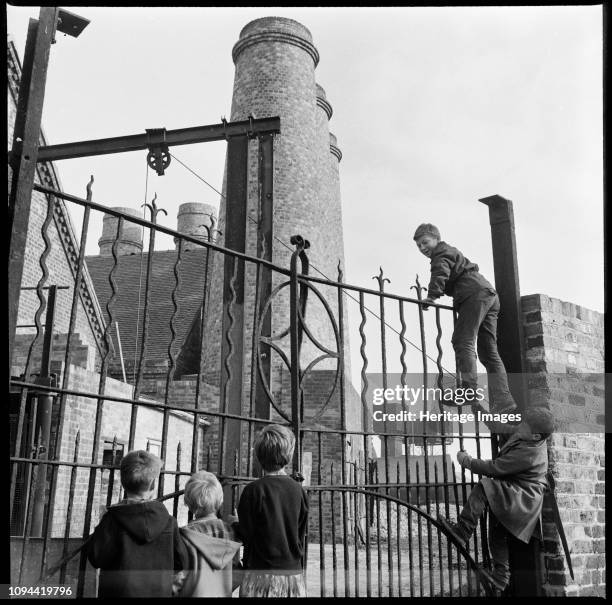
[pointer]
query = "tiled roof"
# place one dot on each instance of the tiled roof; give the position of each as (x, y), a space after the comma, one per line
(130, 279)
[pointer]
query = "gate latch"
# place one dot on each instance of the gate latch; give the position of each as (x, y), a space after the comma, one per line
(158, 157)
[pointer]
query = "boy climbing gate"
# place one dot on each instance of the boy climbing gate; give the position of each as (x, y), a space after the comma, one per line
(477, 306)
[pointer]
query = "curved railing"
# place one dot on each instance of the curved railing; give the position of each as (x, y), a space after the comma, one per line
(471, 565)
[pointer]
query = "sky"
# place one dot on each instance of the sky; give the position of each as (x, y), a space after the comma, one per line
(434, 108)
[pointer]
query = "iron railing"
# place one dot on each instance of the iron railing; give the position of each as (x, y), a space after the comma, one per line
(374, 493)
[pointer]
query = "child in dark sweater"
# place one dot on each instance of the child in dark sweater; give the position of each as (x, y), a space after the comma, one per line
(273, 514)
(137, 545)
(477, 306)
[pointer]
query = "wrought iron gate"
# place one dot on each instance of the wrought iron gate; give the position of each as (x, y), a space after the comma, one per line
(372, 526)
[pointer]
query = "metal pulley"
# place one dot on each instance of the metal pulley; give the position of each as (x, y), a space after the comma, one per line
(158, 157)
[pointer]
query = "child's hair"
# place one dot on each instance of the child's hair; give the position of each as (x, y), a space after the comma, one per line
(203, 494)
(274, 446)
(426, 229)
(139, 469)
(540, 420)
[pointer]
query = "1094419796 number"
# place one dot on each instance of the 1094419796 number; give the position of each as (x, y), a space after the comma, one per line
(40, 591)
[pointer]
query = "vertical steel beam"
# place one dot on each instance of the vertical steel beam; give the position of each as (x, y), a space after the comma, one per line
(232, 348)
(524, 558)
(24, 152)
(265, 235)
(505, 264)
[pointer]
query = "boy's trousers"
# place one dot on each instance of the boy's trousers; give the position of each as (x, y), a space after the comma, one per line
(498, 545)
(476, 330)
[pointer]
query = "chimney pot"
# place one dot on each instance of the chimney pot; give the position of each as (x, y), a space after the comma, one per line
(192, 220)
(130, 239)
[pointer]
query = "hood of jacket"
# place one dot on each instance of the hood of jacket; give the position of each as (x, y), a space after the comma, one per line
(144, 521)
(217, 552)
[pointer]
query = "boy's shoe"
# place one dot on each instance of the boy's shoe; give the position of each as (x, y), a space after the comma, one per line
(499, 584)
(453, 529)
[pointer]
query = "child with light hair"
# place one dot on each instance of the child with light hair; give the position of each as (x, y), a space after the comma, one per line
(203, 495)
(210, 545)
(273, 515)
(137, 544)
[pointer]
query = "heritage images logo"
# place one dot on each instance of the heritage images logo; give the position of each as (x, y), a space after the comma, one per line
(446, 416)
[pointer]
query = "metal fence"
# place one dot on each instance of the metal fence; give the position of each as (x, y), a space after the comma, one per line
(374, 493)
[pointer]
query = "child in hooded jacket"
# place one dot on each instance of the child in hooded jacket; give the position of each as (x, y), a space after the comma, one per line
(512, 487)
(214, 558)
(137, 545)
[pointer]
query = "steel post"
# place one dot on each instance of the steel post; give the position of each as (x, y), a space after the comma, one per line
(265, 236)
(24, 154)
(232, 348)
(505, 264)
(524, 558)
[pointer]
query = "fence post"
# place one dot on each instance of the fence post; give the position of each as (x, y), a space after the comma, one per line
(297, 299)
(232, 348)
(265, 234)
(524, 558)
(25, 150)
(505, 265)
(26, 138)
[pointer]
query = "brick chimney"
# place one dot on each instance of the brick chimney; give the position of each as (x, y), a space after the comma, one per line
(130, 238)
(193, 219)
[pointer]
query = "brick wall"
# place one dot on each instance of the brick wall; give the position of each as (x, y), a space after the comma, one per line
(183, 393)
(565, 348)
(81, 355)
(80, 417)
